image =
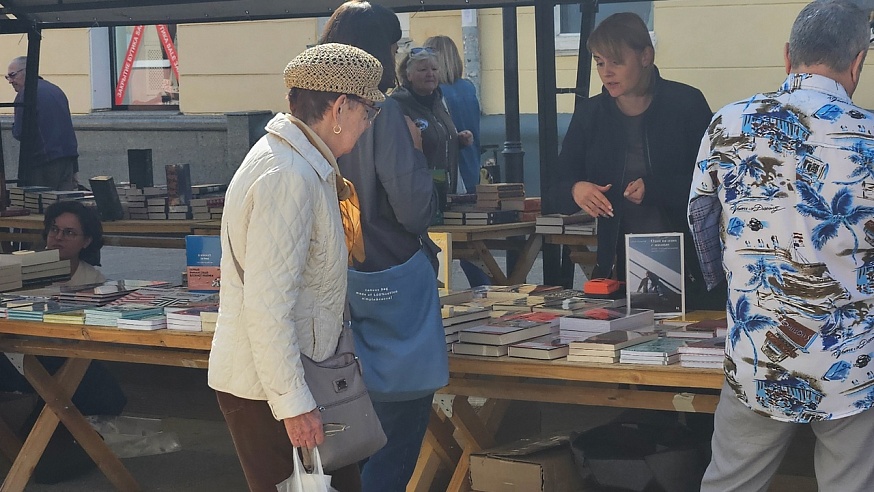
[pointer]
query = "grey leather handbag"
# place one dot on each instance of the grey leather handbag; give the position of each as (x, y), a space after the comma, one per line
(352, 429)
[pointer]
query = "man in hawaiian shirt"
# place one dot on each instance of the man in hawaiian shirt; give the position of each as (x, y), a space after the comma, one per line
(792, 174)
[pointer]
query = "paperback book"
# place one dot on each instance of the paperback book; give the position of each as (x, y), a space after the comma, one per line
(504, 332)
(656, 273)
(660, 351)
(203, 255)
(603, 319)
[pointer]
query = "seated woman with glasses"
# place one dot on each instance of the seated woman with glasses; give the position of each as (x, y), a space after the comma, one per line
(75, 231)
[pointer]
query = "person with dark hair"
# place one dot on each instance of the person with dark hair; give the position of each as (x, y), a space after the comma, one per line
(629, 152)
(284, 258)
(76, 232)
(779, 198)
(399, 337)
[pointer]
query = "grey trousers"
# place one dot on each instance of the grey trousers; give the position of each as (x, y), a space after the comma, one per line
(748, 449)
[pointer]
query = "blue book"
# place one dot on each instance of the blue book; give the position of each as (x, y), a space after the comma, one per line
(203, 259)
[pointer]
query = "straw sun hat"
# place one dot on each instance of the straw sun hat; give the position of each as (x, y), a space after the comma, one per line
(335, 67)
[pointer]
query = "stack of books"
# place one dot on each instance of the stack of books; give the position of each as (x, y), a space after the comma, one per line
(459, 317)
(27, 197)
(10, 273)
(102, 294)
(493, 339)
(42, 266)
(605, 347)
(490, 196)
(547, 347)
(707, 353)
(156, 207)
(528, 207)
(604, 319)
(133, 200)
(661, 351)
(54, 196)
(208, 320)
(580, 223)
(187, 319)
(207, 207)
(110, 315)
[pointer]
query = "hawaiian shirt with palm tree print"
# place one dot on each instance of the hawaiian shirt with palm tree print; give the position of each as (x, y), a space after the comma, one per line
(794, 174)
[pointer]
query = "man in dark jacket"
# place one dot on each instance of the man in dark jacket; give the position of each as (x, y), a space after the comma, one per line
(54, 157)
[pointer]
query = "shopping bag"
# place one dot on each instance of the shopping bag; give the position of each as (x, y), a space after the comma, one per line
(302, 480)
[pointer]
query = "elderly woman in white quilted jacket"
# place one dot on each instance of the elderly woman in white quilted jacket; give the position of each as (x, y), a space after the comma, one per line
(284, 263)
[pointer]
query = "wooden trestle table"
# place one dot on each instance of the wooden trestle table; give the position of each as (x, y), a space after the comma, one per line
(499, 380)
(81, 344)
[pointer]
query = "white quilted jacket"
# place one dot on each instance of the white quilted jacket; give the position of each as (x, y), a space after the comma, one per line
(282, 218)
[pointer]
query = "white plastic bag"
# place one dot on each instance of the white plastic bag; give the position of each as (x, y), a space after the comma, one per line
(303, 481)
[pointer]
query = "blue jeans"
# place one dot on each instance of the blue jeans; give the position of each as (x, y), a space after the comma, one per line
(404, 423)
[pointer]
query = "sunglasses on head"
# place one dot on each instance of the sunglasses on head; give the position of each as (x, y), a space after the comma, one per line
(423, 49)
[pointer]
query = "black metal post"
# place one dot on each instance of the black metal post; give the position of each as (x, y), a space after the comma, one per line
(30, 131)
(544, 29)
(512, 152)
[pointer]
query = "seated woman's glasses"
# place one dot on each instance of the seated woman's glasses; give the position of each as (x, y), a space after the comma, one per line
(67, 233)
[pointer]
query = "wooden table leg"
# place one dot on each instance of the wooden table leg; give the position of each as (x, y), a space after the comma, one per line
(68, 376)
(10, 444)
(526, 259)
(476, 438)
(485, 255)
(59, 407)
(439, 447)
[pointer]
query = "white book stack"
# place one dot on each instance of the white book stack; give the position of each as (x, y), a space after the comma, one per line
(660, 352)
(708, 353)
(136, 203)
(42, 266)
(10, 273)
(605, 347)
(157, 322)
(208, 319)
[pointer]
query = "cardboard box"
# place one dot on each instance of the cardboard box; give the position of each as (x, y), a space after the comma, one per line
(527, 465)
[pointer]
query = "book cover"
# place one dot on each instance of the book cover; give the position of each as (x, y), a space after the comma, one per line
(562, 219)
(708, 346)
(655, 273)
(203, 255)
(613, 340)
(504, 332)
(547, 347)
(106, 195)
(178, 184)
(462, 348)
(453, 315)
(603, 319)
(139, 168)
(657, 347)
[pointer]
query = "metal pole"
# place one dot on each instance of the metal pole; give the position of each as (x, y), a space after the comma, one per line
(30, 131)
(513, 153)
(544, 23)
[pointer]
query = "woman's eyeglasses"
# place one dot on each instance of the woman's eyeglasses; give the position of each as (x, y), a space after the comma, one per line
(370, 108)
(11, 75)
(66, 233)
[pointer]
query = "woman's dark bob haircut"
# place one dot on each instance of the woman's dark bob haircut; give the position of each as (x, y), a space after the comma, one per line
(91, 227)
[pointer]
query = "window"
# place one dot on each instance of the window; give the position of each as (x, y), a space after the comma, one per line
(568, 18)
(145, 67)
